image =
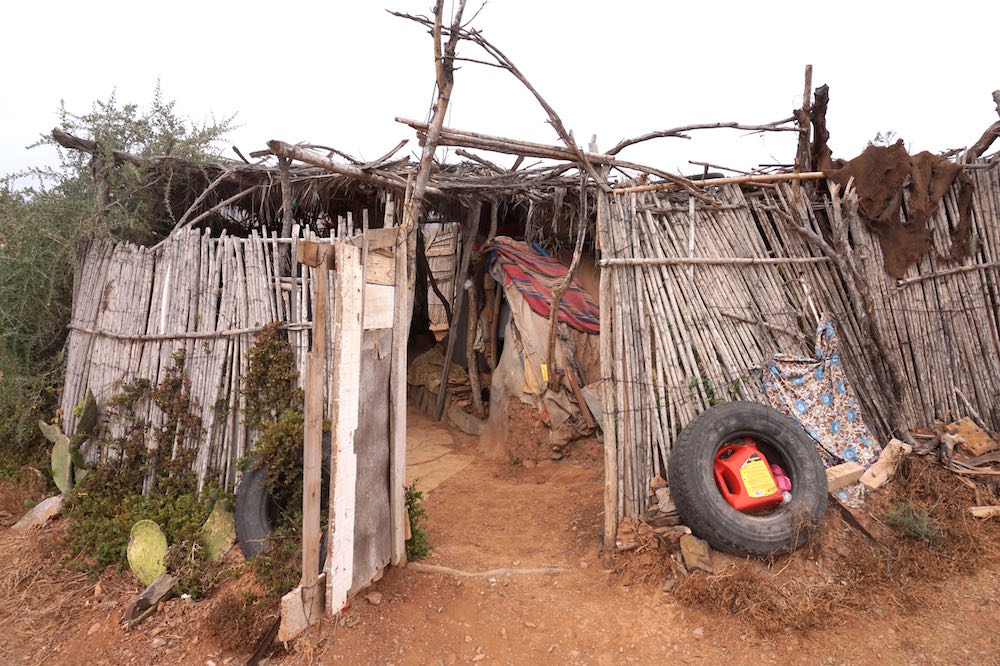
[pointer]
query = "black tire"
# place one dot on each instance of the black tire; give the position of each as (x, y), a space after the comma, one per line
(703, 508)
(254, 510)
(252, 513)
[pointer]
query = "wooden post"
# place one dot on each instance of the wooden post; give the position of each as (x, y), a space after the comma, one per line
(472, 224)
(314, 255)
(345, 395)
(303, 605)
(286, 215)
(397, 395)
(802, 117)
(560, 290)
(607, 393)
(470, 353)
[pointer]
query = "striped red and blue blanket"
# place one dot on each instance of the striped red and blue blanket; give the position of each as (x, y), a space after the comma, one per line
(536, 275)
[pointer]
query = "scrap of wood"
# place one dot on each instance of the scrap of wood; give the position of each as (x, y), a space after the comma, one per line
(313, 253)
(974, 440)
(142, 606)
(380, 268)
(580, 400)
(984, 511)
(344, 398)
(420, 567)
(39, 514)
(840, 476)
(863, 522)
(379, 306)
(378, 239)
(883, 468)
(301, 608)
(265, 643)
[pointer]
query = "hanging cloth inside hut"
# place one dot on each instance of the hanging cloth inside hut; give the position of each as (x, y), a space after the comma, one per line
(815, 392)
(535, 276)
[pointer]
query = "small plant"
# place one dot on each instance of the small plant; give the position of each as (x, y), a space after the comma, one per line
(274, 407)
(278, 569)
(915, 523)
(270, 382)
(706, 387)
(417, 546)
(110, 499)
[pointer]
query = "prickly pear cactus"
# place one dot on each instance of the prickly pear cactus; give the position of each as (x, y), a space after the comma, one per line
(219, 532)
(62, 465)
(147, 548)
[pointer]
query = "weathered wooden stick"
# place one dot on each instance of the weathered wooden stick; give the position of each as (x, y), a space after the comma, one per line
(420, 567)
(984, 511)
(183, 335)
(444, 68)
(560, 290)
(947, 271)
(734, 180)
(288, 151)
(397, 394)
(67, 140)
(607, 387)
(472, 226)
(802, 118)
(710, 261)
(470, 353)
(986, 140)
(678, 132)
(314, 255)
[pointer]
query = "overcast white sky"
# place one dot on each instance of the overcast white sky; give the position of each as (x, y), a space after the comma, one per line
(337, 73)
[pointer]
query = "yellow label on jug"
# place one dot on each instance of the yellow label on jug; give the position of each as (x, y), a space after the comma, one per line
(757, 478)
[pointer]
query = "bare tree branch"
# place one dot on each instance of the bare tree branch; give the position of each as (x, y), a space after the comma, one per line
(560, 289)
(458, 32)
(679, 132)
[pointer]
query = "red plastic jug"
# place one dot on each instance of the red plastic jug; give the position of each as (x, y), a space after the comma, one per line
(745, 478)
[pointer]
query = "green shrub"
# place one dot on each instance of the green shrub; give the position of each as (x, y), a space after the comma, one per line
(156, 461)
(46, 215)
(417, 546)
(916, 523)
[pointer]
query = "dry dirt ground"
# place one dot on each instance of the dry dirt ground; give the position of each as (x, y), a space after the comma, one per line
(500, 514)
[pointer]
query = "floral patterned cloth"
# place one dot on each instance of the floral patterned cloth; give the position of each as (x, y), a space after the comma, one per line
(815, 392)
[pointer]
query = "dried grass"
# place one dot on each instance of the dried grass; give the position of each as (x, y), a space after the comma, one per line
(648, 562)
(239, 620)
(842, 573)
(27, 484)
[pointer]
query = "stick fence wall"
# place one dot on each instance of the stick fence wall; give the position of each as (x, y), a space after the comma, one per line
(134, 308)
(703, 294)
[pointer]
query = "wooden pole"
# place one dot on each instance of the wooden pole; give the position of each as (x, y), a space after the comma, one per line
(288, 151)
(977, 149)
(470, 353)
(286, 214)
(444, 67)
(733, 180)
(397, 395)
(561, 289)
(314, 255)
(710, 261)
(607, 391)
(802, 116)
(472, 227)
